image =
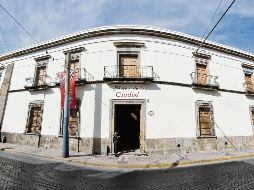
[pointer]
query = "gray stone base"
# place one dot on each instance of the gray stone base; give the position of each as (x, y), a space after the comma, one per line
(84, 145)
(166, 146)
(157, 146)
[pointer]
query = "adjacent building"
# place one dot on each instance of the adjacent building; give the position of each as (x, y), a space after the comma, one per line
(150, 85)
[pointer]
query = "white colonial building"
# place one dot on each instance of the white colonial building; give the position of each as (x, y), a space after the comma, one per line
(148, 84)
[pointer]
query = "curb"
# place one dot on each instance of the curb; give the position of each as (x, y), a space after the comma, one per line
(139, 166)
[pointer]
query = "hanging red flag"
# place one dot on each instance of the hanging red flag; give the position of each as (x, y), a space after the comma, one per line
(73, 101)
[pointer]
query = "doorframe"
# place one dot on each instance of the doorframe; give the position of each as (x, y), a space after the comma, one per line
(141, 102)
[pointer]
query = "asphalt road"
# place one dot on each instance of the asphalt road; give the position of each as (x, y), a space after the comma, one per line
(23, 172)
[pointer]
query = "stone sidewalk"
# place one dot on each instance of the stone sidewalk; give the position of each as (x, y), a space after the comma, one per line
(177, 158)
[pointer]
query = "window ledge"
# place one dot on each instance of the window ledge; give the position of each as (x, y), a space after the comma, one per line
(72, 137)
(207, 137)
(37, 134)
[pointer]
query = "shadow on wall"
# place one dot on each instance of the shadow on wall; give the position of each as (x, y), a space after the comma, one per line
(207, 92)
(97, 120)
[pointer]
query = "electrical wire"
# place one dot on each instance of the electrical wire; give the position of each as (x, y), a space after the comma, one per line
(4, 39)
(214, 14)
(17, 22)
(215, 25)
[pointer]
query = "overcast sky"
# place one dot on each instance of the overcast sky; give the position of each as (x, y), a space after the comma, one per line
(47, 19)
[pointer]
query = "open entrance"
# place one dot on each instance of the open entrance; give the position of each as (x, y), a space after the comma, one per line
(127, 125)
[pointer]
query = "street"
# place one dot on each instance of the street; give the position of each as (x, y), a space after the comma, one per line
(23, 172)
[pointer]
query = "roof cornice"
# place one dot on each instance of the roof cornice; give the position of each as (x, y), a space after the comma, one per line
(138, 30)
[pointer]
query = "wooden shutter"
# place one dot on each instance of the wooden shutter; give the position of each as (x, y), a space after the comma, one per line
(40, 75)
(205, 121)
(201, 74)
(73, 122)
(249, 84)
(75, 67)
(129, 65)
(35, 120)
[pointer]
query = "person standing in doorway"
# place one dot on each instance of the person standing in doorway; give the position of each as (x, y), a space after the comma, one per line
(115, 141)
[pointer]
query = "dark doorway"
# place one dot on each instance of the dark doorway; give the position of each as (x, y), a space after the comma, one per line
(127, 125)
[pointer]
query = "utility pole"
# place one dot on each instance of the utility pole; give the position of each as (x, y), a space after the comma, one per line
(65, 150)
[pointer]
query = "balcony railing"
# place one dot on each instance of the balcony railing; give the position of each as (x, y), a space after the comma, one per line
(129, 73)
(249, 89)
(204, 81)
(37, 84)
(83, 78)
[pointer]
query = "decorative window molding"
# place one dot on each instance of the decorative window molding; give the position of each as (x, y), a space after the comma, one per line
(201, 59)
(42, 58)
(74, 121)
(201, 55)
(34, 118)
(131, 47)
(205, 119)
(75, 56)
(248, 69)
(129, 44)
(75, 53)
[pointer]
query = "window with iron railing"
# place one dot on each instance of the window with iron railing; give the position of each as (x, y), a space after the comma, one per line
(38, 81)
(40, 75)
(201, 78)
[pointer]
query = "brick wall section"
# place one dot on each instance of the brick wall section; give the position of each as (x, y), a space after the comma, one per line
(4, 91)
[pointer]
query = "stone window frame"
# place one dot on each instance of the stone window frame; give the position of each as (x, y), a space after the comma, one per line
(249, 70)
(201, 59)
(251, 109)
(132, 48)
(199, 104)
(36, 103)
(41, 62)
(75, 55)
(60, 133)
(1, 71)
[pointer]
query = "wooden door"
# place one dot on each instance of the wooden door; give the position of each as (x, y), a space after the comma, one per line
(35, 120)
(40, 75)
(201, 74)
(205, 121)
(249, 84)
(74, 66)
(73, 123)
(129, 65)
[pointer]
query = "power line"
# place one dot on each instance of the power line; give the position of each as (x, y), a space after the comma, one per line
(215, 25)
(18, 23)
(4, 39)
(214, 14)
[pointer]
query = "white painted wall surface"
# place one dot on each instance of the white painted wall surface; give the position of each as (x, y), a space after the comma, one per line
(173, 106)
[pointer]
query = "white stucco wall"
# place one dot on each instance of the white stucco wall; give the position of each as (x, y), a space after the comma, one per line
(173, 106)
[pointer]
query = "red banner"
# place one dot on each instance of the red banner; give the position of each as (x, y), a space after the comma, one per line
(73, 100)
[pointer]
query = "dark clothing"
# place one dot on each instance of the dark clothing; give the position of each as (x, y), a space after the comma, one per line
(115, 141)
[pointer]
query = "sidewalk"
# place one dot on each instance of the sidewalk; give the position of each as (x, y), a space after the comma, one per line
(130, 161)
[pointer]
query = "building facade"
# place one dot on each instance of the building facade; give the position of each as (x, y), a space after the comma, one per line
(150, 85)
